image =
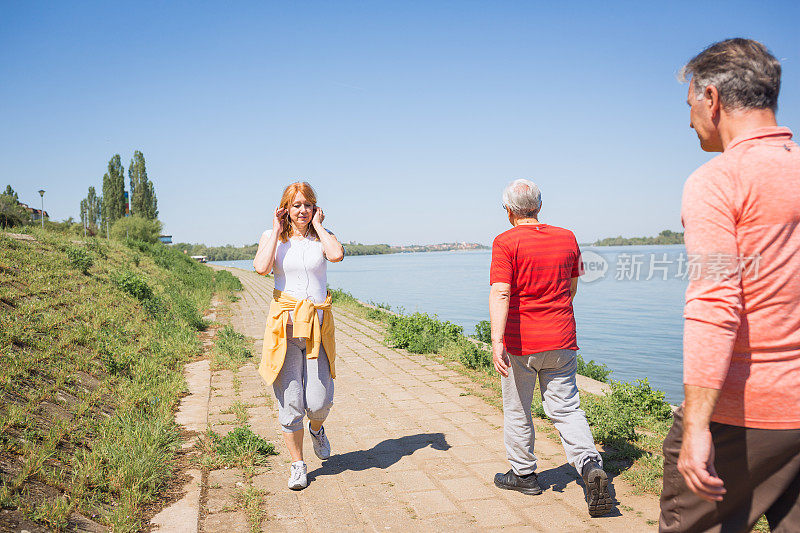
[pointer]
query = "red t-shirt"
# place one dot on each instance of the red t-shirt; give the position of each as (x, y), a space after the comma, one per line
(539, 262)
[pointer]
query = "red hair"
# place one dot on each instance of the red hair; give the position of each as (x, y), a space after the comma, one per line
(287, 198)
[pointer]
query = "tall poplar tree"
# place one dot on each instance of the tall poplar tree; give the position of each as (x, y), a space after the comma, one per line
(90, 208)
(11, 193)
(143, 195)
(113, 205)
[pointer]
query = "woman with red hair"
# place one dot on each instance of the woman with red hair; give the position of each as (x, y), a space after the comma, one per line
(299, 347)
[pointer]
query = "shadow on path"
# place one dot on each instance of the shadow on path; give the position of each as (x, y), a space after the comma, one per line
(382, 455)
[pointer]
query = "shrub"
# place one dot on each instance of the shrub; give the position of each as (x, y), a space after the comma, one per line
(598, 371)
(483, 331)
(420, 332)
(241, 447)
(340, 296)
(96, 247)
(80, 258)
(132, 283)
(615, 416)
(136, 227)
(471, 356)
(609, 422)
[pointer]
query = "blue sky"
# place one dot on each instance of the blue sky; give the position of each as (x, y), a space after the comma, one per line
(407, 117)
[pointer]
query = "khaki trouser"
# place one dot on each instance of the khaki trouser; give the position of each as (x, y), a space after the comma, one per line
(761, 472)
(556, 372)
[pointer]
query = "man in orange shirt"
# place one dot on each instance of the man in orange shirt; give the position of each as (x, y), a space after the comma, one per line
(733, 452)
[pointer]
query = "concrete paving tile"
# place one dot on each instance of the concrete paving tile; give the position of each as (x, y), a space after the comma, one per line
(468, 488)
(412, 481)
(430, 503)
(225, 522)
(491, 513)
(289, 525)
(221, 500)
(471, 453)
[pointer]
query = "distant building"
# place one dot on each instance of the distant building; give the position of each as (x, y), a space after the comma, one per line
(166, 239)
(201, 258)
(36, 214)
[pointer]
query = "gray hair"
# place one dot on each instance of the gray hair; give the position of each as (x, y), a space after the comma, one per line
(523, 198)
(744, 72)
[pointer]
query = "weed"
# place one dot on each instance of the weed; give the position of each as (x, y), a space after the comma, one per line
(80, 259)
(95, 246)
(421, 333)
(615, 416)
(468, 354)
(254, 502)
(240, 447)
(239, 409)
(132, 283)
(231, 349)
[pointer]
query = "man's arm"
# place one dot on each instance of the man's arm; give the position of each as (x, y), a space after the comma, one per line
(713, 314)
(499, 296)
(696, 460)
(573, 288)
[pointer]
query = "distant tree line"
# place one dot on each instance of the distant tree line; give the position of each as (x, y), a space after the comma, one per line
(665, 237)
(369, 249)
(233, 253)
(219, 253)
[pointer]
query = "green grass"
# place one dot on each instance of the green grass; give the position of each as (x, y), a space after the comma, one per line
(240, 447)
(254, 502)
(93, 337)
(231, 349)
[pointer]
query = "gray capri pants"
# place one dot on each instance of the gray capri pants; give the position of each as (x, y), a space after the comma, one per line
(303, 386)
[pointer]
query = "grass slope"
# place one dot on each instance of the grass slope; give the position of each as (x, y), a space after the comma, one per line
(93, 337)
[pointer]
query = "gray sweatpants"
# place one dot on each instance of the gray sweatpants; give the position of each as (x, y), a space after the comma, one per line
(303, 386)
(556, 370)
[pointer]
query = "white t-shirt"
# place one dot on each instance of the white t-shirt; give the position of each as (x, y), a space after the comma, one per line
(301, 270)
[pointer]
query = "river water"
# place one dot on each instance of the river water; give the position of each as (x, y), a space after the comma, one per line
(628, 308)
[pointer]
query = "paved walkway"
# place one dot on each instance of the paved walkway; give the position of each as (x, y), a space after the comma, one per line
(413, 449)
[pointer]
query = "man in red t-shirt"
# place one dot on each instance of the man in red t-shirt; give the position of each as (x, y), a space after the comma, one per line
(534, 276)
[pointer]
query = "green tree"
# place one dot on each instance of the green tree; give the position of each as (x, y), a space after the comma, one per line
(90, 209)
(136, 227)
(113, 204)
(143, 196)
(11, 213)
(12, 193)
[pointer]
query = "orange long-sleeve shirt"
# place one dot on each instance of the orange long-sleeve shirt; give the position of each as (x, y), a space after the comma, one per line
(741, 213)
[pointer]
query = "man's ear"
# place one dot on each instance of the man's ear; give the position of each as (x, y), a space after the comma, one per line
(711, 97)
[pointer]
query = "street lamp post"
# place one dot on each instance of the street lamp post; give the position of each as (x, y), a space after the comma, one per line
(41, 193)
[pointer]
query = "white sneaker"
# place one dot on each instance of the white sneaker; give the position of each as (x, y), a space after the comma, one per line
(298, 478)
(322, 446)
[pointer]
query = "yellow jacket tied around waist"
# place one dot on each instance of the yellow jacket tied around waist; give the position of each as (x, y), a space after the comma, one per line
(305, 325)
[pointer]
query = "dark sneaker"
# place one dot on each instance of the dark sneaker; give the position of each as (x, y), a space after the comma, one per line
(597, 496)
(511, 481)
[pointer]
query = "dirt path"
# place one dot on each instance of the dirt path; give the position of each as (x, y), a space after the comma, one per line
(413, 449)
